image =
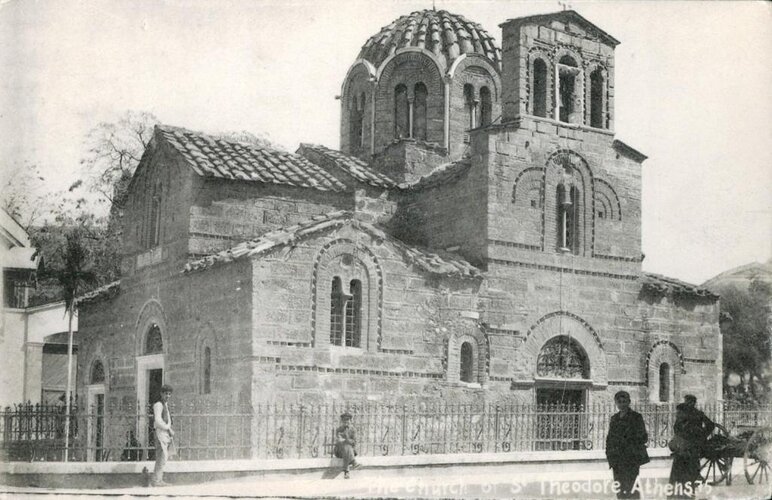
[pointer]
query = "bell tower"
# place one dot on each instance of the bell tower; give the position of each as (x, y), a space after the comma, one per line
(558, 67)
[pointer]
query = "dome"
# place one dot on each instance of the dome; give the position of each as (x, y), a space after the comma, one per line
(445, 35)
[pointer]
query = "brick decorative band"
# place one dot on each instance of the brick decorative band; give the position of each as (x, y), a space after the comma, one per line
(584, 272)
(501, 331)
(288, 344)
(514, 245)
(357, 371)
(703, 361)
(397, 351)
(626, 382)
(618, 258)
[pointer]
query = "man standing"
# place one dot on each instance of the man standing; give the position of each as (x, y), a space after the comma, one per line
(162, 422)
(345, 446)
(626, 446)
(705, 423)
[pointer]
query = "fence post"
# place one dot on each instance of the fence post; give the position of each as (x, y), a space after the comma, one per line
(404, 426)
(300, 431)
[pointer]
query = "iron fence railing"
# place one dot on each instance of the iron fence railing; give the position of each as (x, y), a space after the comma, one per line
(224, 430)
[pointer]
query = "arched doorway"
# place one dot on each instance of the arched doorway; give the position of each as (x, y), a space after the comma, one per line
(562, 380)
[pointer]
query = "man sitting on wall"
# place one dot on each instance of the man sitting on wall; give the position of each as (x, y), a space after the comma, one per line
(346, 443)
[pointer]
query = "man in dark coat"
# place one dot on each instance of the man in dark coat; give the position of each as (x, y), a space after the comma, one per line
(626, 446)
(345, 444)
(692, 428)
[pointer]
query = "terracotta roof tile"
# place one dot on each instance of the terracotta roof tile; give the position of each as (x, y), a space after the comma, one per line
(103, 292)
(356, 168)
(442, 33)
(662, 285)
(434, 262)
(210, 156)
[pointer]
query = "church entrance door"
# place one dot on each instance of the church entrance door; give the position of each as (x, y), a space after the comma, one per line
(150, 378)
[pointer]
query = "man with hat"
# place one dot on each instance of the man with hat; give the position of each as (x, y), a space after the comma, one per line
(346, 443)
(162, 423)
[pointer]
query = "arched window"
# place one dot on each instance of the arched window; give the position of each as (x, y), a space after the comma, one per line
(357, 118)
(153, 341)
(567, 84)
(97, 373)
(568, 227)
(539, 88)
(346, 314)
(485, 106)
(664, 383)
(336, 312)
(154, 228)
(470, 106)
(596, 99)
(354, 314)
(206, 371)
(466, 366)
(562, 357)
(401, 112)
(419, 111)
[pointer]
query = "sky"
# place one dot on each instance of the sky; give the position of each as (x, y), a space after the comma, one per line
(691, 92)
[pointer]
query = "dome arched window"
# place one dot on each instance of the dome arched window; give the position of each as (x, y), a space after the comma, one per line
(486, 106)
(419, 111)
(401, 112)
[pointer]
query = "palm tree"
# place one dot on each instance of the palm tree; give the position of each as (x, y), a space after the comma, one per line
(75, 275)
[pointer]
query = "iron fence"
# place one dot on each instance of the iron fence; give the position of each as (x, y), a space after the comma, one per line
(224, 430)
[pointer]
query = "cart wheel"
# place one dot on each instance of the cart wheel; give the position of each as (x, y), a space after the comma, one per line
(757, 455)
(714, 470)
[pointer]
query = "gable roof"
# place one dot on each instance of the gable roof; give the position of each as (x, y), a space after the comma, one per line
(211, 156)
(434, 262)
(662, 285)
(331, 159)
(566, 15)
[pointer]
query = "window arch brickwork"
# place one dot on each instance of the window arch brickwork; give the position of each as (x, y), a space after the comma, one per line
(569, 168)
(561, 323)
(544, 89)
(408, 69)
(597, 104)
(356, 112)
(151, 314)
(345, 259)
(528, 206)
(664, 351)
(608, 198)
(458, 345)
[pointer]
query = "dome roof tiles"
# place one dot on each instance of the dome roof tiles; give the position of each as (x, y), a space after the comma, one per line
(445, 35)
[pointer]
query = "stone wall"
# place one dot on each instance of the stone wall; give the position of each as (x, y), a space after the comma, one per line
(191, 315)
(417, 322)
(407, 160)
(524, 172)
(225, 213)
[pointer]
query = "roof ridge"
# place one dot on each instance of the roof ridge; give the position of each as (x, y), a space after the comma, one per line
(430, 260)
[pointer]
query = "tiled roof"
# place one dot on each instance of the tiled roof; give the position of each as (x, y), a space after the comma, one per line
(356, 168)
(443, 263)
(211, 156)
(445, 35)
(658, 284)
(103, 292)
(440, 175)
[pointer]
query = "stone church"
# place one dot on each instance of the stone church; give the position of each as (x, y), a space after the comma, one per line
(477, 237)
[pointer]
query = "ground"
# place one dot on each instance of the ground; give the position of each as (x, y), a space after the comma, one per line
(454, 482)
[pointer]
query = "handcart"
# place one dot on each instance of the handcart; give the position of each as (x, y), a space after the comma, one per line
(753, 445)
